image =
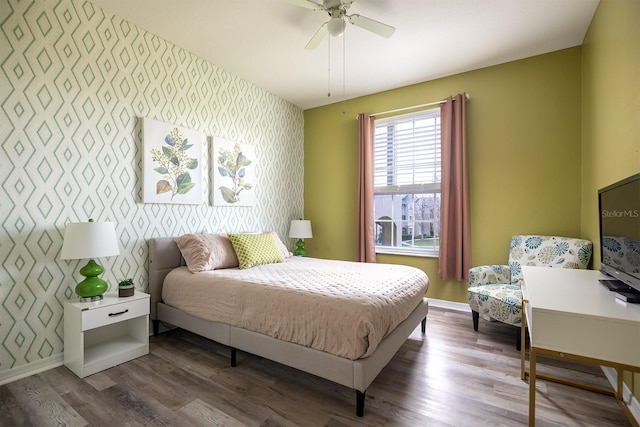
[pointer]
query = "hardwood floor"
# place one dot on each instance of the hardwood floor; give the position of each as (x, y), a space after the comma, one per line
(452, 376)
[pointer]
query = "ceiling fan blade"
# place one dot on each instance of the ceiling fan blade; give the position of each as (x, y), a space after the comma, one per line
(317, 37)
(307, 3)
(374, 26)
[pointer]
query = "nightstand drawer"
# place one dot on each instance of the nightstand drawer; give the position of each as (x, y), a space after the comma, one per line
(101, 316)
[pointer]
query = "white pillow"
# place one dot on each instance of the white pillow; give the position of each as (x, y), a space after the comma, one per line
(281, 246)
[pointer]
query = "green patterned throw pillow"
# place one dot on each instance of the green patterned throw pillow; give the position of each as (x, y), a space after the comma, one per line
(255, 249)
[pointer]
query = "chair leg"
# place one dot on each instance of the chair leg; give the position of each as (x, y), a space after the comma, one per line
(518, 332)
(476, 316)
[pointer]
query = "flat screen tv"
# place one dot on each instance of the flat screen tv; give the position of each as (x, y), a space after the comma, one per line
(619, 206)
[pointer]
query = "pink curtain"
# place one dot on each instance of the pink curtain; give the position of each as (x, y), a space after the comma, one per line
(365, 249)
(455, 249)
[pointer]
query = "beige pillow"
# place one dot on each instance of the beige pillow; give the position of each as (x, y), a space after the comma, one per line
(256, 249)
(203, 252)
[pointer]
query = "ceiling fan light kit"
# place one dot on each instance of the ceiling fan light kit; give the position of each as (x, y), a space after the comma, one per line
(336, 26)
(337, 23)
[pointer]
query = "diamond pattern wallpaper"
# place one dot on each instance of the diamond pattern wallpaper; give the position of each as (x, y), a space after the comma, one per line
(74, 85)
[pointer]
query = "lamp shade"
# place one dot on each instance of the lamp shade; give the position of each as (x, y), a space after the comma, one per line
(89, 240)
(300, 229)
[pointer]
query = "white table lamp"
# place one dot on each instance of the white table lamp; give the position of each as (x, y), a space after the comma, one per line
(300, 229)
(90, 240)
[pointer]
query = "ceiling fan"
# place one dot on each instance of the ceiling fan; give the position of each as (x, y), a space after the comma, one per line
(337, 10)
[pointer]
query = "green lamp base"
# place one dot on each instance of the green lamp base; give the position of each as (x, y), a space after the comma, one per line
(91, 288)
(300, 250)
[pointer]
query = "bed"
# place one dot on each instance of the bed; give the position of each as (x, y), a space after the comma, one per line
(355, 367)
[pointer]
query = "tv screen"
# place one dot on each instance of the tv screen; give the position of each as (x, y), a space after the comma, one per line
(619, 205)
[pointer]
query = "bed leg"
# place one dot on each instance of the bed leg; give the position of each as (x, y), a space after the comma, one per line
(424, 325)
(155, 323)
(233, 357)
(360, 403)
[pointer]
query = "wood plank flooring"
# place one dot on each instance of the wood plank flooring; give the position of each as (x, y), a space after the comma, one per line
(452, 376)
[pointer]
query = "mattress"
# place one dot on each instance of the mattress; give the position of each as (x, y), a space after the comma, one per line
(343, 308)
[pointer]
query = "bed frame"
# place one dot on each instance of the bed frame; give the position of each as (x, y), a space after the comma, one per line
(164, 256)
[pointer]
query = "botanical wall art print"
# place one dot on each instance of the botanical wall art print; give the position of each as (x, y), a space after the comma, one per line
(233, 166)
(172, 163)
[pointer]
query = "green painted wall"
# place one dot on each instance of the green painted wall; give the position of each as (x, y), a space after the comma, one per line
(545, 134)
(524, 159)
(611, 104)
(610, 110)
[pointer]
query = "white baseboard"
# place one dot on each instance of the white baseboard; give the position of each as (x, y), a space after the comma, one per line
(51, 362)
(32, 368)
(627, 396)
(450, 305)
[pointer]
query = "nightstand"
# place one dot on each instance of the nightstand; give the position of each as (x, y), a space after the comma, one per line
(105, 333)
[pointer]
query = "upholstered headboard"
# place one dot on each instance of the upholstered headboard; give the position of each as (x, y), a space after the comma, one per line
(164, 256)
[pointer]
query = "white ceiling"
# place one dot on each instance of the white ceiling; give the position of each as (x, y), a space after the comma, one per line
(263, 41)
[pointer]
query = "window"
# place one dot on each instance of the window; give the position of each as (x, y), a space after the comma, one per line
(407, 183)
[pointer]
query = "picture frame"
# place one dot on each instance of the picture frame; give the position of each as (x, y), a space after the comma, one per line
(172, 163)
(233, 173)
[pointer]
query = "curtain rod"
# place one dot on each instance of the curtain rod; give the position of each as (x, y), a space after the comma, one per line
(429, 104)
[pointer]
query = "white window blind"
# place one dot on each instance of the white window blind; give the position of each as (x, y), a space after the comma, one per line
(407, 153)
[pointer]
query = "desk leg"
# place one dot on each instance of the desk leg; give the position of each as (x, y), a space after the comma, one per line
(620, 398)
(523, 331)
(532, 387)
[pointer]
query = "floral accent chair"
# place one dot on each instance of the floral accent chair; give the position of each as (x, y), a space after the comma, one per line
(622, 252)
(494, 290)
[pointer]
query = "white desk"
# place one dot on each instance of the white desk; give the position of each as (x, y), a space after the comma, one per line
(570, 314)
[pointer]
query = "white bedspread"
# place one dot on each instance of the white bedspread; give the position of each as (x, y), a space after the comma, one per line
(343, 308)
